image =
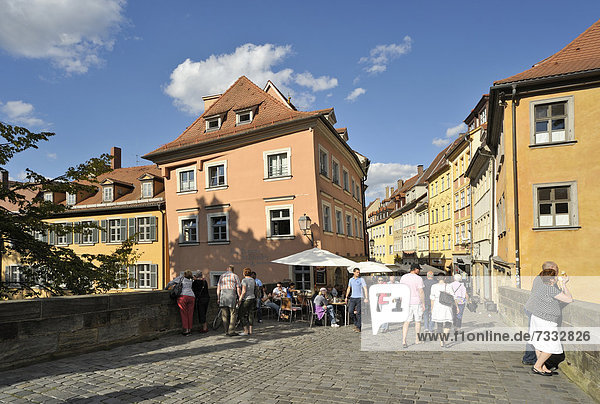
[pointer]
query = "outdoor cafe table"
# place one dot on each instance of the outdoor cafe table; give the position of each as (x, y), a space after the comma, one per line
(345, 306)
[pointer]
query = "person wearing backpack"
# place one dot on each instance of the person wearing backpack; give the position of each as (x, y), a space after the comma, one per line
(185, 300)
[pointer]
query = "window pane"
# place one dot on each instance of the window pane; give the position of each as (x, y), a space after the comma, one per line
(541, 111)
(558, 109)
(545, 220)
(562, 220)
(561, 193)
(544, 194)
(541, 126)
(558, 124)
(545, 209)
(562, 207)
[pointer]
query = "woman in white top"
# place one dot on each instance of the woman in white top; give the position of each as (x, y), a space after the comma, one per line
(441, 314)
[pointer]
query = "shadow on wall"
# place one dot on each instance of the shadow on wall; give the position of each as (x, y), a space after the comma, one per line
(246, 248)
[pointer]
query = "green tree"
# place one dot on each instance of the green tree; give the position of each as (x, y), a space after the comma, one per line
(22, 222)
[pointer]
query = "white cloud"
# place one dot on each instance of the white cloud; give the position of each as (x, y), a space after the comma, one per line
(386, 174)
(70, 33)
(51, 156)
(355, 93)
(451, 134)
(356, 80)
(191, 80)
(20, 113)
(381, 55)
(303, 100)
(315, 83)
(21, 176)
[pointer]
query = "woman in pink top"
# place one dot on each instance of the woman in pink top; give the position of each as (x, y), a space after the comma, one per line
(460, 297)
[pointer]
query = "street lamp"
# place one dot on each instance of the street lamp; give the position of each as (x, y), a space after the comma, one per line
(304, 223)
(372, 244)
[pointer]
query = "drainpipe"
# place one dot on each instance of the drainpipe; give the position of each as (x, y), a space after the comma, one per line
(364, 220)
(516, 187)
(165, 265)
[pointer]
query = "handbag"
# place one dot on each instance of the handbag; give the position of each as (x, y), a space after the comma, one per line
(446, 298)
(472, 306)
(177, 289)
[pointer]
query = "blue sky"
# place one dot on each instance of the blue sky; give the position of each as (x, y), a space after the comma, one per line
(401, 75)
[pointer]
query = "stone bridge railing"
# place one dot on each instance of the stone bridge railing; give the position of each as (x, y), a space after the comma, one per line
(35, 330)
(582, 367)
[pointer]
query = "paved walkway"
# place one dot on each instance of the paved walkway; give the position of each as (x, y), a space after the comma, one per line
(283, 363)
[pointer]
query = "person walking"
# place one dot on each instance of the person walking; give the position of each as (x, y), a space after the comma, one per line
(200, 288)
(544, 304)
(228, 291)
(461, 296)
(248, 301)
(442, 310)
(185, 301)
(357, 289)
(417, 302)
(427, 284)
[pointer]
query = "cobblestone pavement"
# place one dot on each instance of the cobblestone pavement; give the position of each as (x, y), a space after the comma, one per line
(282, 363)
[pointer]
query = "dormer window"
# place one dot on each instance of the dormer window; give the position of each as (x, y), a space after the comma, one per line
(71, 199)
(107, 194)
(48, 197)
(147, 189)
(244, 116)
(213, 123)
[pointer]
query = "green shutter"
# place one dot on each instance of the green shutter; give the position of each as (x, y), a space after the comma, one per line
(153, 275)
(153, 228)
(69, 227)
(132, 231)
(103, 231)
(77, 234)
(123, 230)
(95, 232)
(45, 236)
(131, 276)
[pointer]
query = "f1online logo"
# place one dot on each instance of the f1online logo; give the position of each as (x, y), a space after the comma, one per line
(389, 304)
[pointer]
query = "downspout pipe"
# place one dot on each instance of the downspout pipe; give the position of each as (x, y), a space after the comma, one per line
(364, 221)
(516, 186)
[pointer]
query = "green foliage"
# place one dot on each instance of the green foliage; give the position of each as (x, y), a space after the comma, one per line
(22, 214)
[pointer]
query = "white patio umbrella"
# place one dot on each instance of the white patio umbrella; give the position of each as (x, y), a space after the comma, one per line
(315, 257)
(369, 267)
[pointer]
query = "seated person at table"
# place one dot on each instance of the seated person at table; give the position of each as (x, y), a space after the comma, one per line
(332, 291)
(266, 302)
(279, 292)
(291, 290)
(321, 305)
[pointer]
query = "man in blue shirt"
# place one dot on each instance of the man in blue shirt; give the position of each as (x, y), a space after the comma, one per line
(357, 289)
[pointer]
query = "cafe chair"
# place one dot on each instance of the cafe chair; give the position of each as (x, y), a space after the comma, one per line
(313, 316)
(286, 306)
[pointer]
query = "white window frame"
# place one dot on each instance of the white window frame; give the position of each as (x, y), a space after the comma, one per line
(345, 186)
(573, 206)
(178, 171)
(138, 278)
(268, 210)
(71, 199)
(249, 111)
(48, 197)
(106, 195)
(143, 229)
(180, 220)
(285, 176)
(62, 240)
(209, 227)
(87, 232)
(109, 239)
(213, 118)
(207, 167)
(569, 124)
(147, 185)
(330, 222)
(348, 224)
(327, 171)
(334, 172)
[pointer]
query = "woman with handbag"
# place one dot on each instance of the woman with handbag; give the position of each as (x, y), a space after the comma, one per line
(459, 291)
(200, 288)
(185, 300)
(442, 306)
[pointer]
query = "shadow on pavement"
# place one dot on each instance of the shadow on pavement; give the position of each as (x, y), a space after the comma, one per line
(130, 395)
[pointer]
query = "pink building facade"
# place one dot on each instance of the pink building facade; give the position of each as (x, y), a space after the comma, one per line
(239, 178)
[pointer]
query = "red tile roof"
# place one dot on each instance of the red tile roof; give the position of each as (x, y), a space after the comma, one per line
(242, 94)
(582, 54)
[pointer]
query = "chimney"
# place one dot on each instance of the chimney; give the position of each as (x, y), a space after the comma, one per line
(420, 169)
(387, 192)
(4, 177)
(400, 183)
(209, 100)
(115, 152)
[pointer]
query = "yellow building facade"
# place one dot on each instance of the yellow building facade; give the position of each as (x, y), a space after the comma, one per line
(440, 216)
(543, 125)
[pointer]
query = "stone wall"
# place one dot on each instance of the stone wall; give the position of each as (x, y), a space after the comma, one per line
(42, 329)
(582, 367)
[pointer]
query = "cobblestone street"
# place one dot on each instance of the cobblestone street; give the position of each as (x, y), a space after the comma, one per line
(282, 363)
